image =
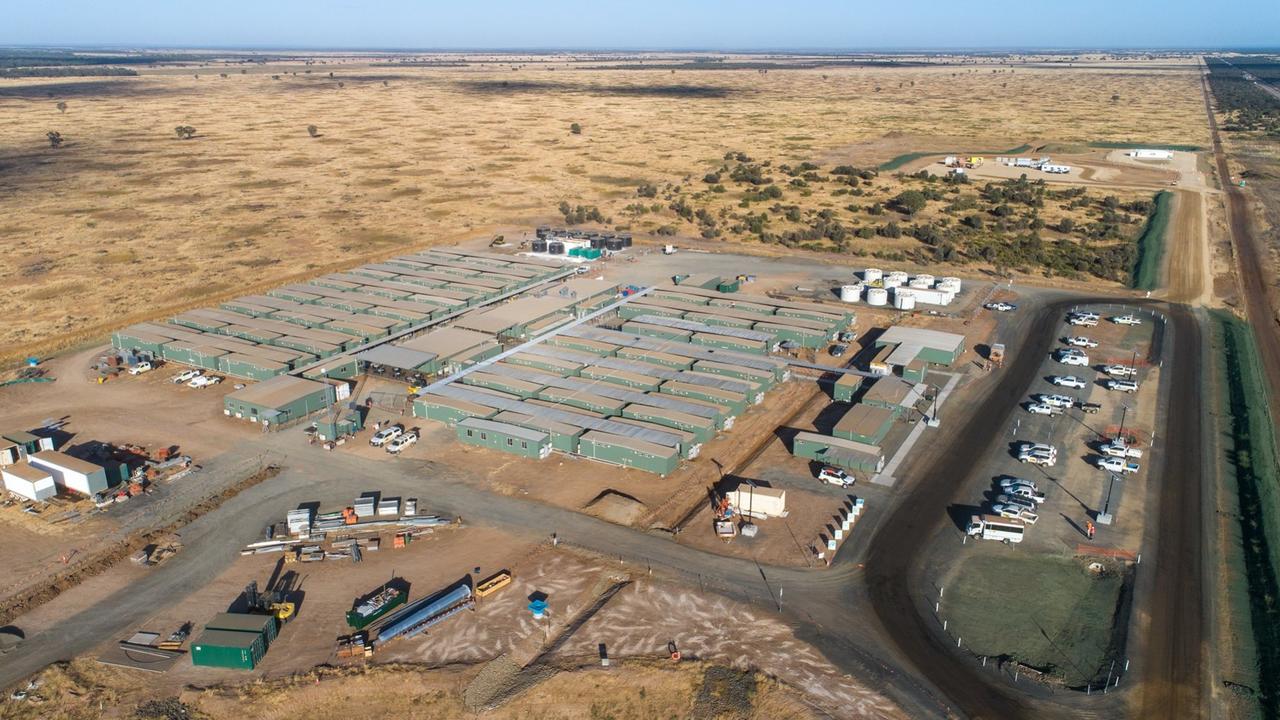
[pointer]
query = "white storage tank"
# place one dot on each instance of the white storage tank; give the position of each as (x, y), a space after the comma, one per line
(904, 299)
(871, 275)
(949, 284)
(850, 293)
(897, 278)
(933, 297)
(879, 297)
(923, 282)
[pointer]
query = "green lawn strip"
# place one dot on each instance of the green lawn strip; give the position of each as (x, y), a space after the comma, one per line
(1253, 459)
(901, 160)
(1146, 269)
(1115, 145)
(1050, 613)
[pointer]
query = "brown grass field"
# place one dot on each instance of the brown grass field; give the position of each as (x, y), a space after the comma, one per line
(125, 221)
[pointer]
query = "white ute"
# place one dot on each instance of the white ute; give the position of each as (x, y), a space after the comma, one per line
(1081, 341)
(1076, 359)
(1120, 371)
(1070, 381)
(1126, 320)
(834, 476)
(1036, 408)
(184, 376)
(381, 437)
(1083, 320)
(1113, 464)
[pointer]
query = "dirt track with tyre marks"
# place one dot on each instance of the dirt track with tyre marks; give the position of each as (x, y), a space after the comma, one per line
(1169, 668)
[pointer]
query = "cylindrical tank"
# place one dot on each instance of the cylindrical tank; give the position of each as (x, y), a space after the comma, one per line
(850, 293)
(878, 297)
(921, 282)
(950, 284)
(872, 275)
(555, 248)
(539, 246)
(626, 239)
(613, 244)
(904, 299)
(543, 232)
(896, 278)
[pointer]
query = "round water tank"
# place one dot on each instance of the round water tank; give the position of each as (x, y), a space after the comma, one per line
(597, 243)
(555, 248)
(950, 284)
(872, 274)
(613, 244)
(893, 281)
(921, 282)
(925, 277)
(850, 293)
(904, 300)
(539, 246)
(879, 297)
(626, 239)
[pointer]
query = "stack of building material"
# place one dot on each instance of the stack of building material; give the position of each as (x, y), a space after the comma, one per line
(299, 521)
(365, 506)
(389, 506)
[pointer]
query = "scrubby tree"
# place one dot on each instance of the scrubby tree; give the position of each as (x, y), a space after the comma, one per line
(313, 131)
(55, 138)
(909, 202)
(647, 190)
(185, 132)
(62, 106)
(575, 128)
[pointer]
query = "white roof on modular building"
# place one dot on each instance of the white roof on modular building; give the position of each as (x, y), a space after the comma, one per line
(557, 414)
(513, 430)
(396, 356)
(922, 337)
(64, 461)
(698, 327)
(682, 349)
(26, 471)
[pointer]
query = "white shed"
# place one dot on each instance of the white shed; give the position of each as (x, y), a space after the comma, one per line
(71, 473)
(758, 502)
(28, 481)
(1150, 154)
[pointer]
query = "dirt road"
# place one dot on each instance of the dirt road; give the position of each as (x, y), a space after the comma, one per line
(1170, 665)
(1188, 275)
(1253, 266)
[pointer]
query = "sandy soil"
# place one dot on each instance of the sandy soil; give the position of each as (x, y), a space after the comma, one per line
(107, 228)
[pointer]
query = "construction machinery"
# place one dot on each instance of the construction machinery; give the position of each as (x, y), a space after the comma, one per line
(273, 601)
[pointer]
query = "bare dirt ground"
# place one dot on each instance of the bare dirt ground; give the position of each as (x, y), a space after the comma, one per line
(106, 229)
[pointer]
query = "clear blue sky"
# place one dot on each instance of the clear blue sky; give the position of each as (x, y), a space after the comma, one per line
(656, 24)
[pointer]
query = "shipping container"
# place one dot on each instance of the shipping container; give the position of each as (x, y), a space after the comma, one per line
(264, 625)
(228, 649)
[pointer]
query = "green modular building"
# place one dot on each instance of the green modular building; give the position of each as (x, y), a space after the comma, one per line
(449, 411)
(915, 370)
(636, 309)
(564, 437)
(293, 295)
(259, 336)
(655, 357)
(847, 454)
(892, 393)
(629, 452)
(931, 346)
(341, 367)
(522, 389)
(245, 307)
(564, 368)
(702, 429)
(281, 399)
(845, 387)
(228, 649)
(362, 332)
(584, 400)
(689, 444)
(865, 423)
(706, 281)
(200, 356)
(318, 348)
(765, 379)
(728, 342)
(802, 337)
(195, 321)
(331, 428)
(137, 340)
(786, 312)
(656, 331)
(594, 347)
(264, 625)
(513, 439)
(719, 320)
(305, 320)
(250, 367)
(635, 381)
(736, 402)
(740, 304)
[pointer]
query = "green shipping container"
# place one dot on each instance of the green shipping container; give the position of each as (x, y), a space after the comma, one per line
(246, 622)
(228, 649)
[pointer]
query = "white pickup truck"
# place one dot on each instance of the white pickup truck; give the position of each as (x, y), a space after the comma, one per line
(1114, 464)
(1119, 450)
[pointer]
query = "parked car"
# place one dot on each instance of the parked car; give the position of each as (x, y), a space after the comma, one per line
(1015, 511)
(1070, 381)
(1026, 492)
(1084, 314)
(1001, 306)
(1082, 321)
(836, 351)
(1119, 449)
(402, 441)
(1081, 341)
(1128, 386)
(184, 376)
(1037, 447)
(201, 381)
(1058, 401)
(1126, 320)
(834, 476)
(847, 336)
(1016, 501)
(1009, 481)
(1120, 371)
(1078, 360)
(381, 437)
(1036, 408)
(1114, 464)
(1044, 459)
(1089, 407)
(140, 368)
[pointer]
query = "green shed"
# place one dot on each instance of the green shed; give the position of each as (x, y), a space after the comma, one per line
(513, 439)
(703, 429)
(584, 400)
(670, 360)
(251, 367)
(449, 410)
(848, 454)
(845, 387)
(595, 347)
(864, 423)
(736, 402)
(629, 452)
(281, 399)
(264, 625)
(512, 386)
(228, 649)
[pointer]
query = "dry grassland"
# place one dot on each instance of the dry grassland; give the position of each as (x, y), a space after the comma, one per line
(127, 221)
